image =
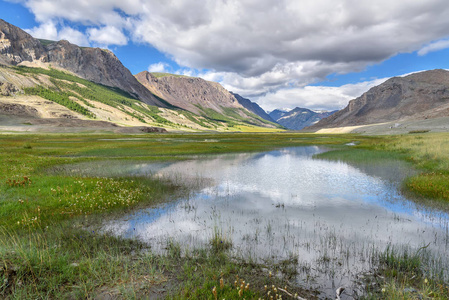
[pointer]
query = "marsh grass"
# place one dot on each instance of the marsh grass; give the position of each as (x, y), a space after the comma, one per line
(427, 152)
(65, 260)
(49, 249)
(220, 241)
(406, 275)
(48, 245)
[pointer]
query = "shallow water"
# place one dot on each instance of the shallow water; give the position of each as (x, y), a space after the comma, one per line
(280, 204)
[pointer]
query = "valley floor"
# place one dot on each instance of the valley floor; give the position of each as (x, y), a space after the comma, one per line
(398, 127)
(50, 247)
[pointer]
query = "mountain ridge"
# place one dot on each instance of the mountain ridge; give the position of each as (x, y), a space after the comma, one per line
(201, 97)
(298, 118)
(416, 96)
(53, 70)
(17, 47)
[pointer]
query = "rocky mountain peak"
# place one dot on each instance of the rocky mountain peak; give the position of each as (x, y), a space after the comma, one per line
(188, 93)
(94, 64)
(17, 46)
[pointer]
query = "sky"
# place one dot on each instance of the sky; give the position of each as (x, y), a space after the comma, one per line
(317, 54)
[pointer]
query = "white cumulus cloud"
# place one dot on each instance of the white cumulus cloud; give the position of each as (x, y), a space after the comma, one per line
(260, 47)
(435, 46)
(317, 97)
(107, 35)
(158, 67)
(50, 31)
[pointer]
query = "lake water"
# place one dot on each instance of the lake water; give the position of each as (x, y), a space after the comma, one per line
(280, 204)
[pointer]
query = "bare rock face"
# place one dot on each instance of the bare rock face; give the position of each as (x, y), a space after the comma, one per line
(8, 89)
(416, 96)
(100, 66)
(199, 96)
(94, 64)
(188, 92)
(17, 46)
(18, 110)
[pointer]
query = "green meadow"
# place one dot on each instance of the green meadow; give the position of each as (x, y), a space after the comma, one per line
(50, 248)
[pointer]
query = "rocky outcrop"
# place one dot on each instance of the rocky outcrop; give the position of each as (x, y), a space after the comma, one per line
(298, 118)
(7, 89)
(253, 107)
(94, 64)
(18, 110)
(17, 46)
(416, 96)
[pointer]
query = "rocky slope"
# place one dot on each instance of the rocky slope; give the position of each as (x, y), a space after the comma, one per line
(253, 107)
(199, 96)
(417, 96)
(298, 118)
(98, 65)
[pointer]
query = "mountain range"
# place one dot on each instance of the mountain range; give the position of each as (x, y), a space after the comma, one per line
(109, 92)
(56, 82)
(298, 118)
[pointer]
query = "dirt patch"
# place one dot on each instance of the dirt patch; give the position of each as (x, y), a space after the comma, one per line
(18, 110)
(38, 107)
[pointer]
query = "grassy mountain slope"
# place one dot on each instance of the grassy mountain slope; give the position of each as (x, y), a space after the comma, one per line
(201, 97)
(86, 100)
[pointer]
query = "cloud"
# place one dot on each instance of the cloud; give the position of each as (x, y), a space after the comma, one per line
(260, 47)
(435, 46)
(107, 35)
(158, 67)
(251, 38)
(49, 31)
(316, 97)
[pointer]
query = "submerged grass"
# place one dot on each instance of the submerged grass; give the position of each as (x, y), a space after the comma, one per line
(47, 252)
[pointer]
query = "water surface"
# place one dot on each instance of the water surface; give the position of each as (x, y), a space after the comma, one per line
(281, 204)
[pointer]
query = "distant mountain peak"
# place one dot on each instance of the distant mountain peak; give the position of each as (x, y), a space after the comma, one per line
(297, 118)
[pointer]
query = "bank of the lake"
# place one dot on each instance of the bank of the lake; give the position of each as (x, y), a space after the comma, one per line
(46, 252)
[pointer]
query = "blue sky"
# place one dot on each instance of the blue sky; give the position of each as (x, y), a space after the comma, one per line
(281, 54)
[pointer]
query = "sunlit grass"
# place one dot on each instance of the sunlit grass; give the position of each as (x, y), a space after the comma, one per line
(244, 128)
(429, 152)
(404, 275)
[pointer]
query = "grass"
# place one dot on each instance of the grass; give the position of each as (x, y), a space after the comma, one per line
(49, 247)
(160, 74)
(429, 153)
(403, 275)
